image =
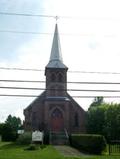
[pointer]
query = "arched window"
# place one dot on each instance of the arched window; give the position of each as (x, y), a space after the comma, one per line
(56, 113)
(76, 121)
(60, 77)
(53, 77)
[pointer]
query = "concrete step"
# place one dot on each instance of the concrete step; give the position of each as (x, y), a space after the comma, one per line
(59, 138)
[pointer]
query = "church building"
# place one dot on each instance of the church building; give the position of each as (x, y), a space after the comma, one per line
(55, 110)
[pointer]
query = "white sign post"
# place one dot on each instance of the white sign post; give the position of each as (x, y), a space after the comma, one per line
(37, 136)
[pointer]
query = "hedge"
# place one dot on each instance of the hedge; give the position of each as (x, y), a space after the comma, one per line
(90, 143)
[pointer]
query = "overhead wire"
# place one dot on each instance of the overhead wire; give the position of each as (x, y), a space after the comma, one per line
(62, 34)
(33, 69)
(19, 69)
(27, 14)
(26, 95)
(29, 81)
(70, 82)
(57, 17)
(23, 32)
(81, 90)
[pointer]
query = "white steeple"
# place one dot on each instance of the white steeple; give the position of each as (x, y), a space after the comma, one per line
(56, 60)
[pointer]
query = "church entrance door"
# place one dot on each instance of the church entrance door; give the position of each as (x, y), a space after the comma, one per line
(57, 122)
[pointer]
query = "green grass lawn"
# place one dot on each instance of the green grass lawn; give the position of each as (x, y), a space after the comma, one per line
(12, 151)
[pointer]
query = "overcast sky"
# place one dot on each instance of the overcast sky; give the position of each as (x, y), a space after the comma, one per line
(89, 35)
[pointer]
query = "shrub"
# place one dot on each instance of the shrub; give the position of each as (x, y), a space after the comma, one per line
(32, 147)
(42, 146)
(35, 147)
(90, 143)
(24, 139)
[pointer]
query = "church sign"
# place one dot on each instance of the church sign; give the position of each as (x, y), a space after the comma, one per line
(37, 136)
(20, 132)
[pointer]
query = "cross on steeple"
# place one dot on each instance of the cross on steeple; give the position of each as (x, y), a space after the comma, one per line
(56, 18)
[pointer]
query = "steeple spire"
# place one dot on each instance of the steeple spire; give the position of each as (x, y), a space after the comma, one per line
(56, 49)
(56, 60)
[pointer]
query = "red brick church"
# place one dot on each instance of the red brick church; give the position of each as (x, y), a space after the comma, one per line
(55, 110)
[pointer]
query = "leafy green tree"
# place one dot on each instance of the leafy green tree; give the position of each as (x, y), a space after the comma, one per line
(96, 120)
(95, 116)
(1, 128)
(105, 120)
(7, 132)
(97, 102)
(112, 121)
(14, 122)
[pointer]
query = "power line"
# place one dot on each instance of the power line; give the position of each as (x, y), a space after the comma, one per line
(20, 69)
(25, 88)
(31, 69)
(27, 15)
(29, 81)
(40, 33)
(17, 95)
(70, 82)
(95, 96)
(53, 16)
(81, 90)
(94, 72)
(62, 34)
(23, 32)
(24, 95)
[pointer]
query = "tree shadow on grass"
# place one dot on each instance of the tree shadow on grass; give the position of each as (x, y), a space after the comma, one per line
(6, 146)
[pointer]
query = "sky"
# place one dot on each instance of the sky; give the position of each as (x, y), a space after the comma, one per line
(89, 36)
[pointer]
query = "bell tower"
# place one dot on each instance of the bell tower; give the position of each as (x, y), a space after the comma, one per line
(56, 71)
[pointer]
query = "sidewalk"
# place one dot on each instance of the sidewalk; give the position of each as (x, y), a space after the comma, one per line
(68, 151)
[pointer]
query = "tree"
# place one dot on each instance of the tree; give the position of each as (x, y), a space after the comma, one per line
(8, 130)
(14, 122)
(1, 128)
(95, 120)
(8, 134)
(97, 102)
(105, 120)
(112, 122)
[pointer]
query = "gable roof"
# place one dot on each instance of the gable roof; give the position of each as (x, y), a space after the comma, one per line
(74, 102)
(36, 101)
